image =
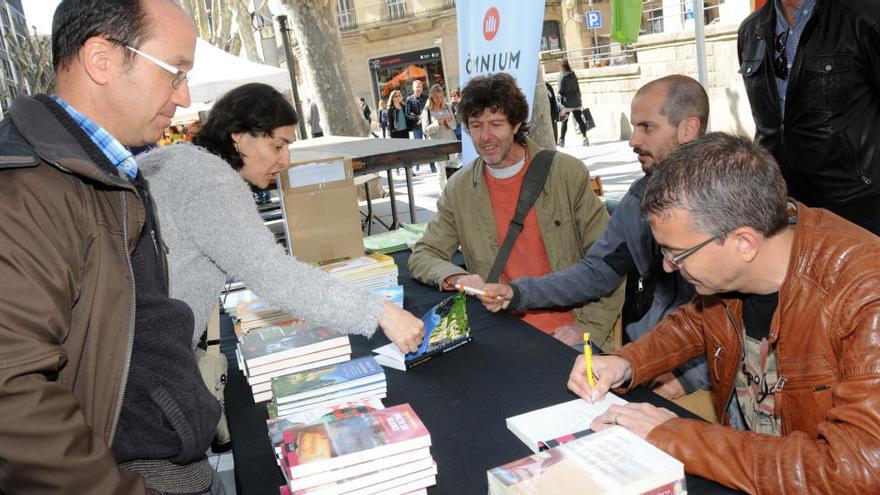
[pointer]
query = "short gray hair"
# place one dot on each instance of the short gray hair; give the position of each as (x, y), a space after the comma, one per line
(725, 181)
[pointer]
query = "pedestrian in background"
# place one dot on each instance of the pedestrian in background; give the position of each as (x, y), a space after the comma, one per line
(397, 123)
(383, 117)
(570, 96)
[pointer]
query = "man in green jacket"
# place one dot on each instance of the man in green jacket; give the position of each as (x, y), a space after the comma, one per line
(478, 203)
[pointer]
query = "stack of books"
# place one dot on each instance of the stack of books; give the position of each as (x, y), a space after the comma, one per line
(275, 351)
(385, 451)
(395, 240)
(256, 313)
(371, 272)
(328, 387)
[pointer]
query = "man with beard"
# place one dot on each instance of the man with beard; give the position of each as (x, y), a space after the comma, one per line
(664, 113)
(479, 201)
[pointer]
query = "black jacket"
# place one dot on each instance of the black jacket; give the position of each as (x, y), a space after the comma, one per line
(414, 106)
(569, 91)
(828, 141)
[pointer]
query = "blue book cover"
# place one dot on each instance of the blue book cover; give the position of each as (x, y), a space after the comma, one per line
(327, 379)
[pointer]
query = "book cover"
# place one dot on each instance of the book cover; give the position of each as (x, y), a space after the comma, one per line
(335, 444)
(446, 328)
(276, 343)
(276, 425)
(266, 372)
(327, 379)
(392, 294)
(370, 390)
(613, 461)
(391, 241)
(360, 263)
(560, 422)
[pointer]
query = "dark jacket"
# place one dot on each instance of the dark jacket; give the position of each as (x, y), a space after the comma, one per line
(414, 106)
(827, 141)
(825, 332)
(74, 365)
(392, 118)
(627, 245)
(569, 91)
(367, 112)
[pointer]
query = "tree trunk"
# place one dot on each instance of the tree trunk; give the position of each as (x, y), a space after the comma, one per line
(314, 24)
(246, 31)
(540, 130)
(31, 58)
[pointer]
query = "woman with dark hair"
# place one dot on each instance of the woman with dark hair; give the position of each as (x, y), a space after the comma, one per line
(212, 229)
(569, 93)
(397, 115)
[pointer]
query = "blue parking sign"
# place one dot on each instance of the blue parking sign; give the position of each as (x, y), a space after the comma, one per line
(594, 19)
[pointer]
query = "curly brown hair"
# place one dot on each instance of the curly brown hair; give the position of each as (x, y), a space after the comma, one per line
(498, 93)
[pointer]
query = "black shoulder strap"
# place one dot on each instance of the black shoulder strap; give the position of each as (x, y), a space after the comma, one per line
(533, 182)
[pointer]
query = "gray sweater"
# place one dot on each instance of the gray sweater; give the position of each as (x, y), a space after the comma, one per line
(212, 230)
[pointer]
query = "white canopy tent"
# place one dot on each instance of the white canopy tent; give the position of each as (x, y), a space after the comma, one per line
(215, 72)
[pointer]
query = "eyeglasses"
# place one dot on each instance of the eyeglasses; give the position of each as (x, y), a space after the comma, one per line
(780, 62)
(178, 76)
(676, 260)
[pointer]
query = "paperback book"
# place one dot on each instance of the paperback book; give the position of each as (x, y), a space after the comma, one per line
(320, 381)
(277, 343)
(446, 328)
(553, 425)
(337, 444)
(613, 461)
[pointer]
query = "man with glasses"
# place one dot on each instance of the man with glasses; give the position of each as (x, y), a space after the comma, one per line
(811, 69)
(788, 316)
(99, 389)
(665, 113)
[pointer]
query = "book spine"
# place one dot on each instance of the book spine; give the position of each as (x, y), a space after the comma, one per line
(430, 355)
(672, 488)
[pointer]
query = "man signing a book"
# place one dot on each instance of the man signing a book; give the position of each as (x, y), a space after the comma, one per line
(787, 315)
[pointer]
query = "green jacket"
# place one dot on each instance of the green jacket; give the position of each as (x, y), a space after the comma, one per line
(570, 217)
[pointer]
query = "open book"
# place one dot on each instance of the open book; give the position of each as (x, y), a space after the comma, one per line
(554, 425)
(446, 328)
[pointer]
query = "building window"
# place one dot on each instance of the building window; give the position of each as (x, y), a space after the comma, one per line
(652, 12)
(344, 14)
(396, 9)
(550, 39)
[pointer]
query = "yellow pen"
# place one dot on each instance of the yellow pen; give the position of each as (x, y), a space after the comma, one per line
(588, 357)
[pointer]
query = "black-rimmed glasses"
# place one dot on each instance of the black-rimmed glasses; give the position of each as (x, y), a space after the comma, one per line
(677, 259)
(780, 61)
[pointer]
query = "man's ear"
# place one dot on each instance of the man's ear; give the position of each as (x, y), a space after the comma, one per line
(688, 129)
(747, 243)
(100, 58)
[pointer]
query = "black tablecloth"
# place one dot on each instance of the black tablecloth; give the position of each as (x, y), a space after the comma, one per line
(463, 398)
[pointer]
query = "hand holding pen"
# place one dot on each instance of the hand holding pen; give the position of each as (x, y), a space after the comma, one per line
(607, 372)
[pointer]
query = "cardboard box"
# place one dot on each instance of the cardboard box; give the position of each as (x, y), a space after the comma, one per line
(321, 214)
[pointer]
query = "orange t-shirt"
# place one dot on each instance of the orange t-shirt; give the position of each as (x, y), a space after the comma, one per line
(528, 258)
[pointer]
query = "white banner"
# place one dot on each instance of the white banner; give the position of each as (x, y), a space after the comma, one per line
(498, 36)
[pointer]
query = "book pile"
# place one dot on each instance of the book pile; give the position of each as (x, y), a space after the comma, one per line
(275, 351)
(385, 451)
(395, 240)
(612, 461)
(371, 272)
(256, 313)
(328, 387)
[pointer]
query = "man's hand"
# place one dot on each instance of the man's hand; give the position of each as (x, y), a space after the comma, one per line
(471, 280)
(668, 386)
(402, 328)
(497, 297)
(638, 418)
(569, 334)
(609, 372)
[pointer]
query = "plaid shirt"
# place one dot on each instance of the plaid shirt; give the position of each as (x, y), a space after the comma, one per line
(118, 154)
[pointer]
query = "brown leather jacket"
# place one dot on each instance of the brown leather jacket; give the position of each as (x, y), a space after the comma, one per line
(826, 334)
(66, 309)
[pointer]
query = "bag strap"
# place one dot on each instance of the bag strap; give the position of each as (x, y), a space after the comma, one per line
(533, 182)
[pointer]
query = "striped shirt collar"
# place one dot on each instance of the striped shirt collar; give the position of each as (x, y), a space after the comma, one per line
(119, 155)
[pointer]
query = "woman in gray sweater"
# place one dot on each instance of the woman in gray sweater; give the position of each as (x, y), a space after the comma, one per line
(212, 228)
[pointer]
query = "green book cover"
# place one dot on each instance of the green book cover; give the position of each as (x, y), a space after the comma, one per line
(325, 379)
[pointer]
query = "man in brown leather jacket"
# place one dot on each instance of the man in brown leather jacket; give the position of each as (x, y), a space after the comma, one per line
(788, 316)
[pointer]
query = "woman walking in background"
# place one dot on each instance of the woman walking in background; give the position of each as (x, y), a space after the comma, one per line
(569, 92)
(438, 122)
(397, 115)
